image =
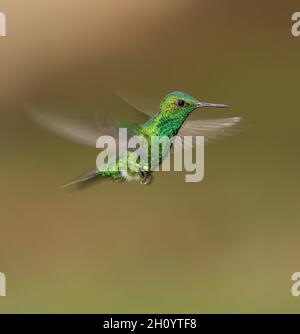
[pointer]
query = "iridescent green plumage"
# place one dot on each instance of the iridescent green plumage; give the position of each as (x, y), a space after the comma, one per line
(170, 116)
(169, 121)
(173, 111)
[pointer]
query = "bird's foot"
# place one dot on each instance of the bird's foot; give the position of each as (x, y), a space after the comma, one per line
(145, 178)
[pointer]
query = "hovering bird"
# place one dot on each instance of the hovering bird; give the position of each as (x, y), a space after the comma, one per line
(169, 121)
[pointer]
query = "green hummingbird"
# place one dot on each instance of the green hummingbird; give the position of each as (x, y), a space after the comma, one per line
(169, 121)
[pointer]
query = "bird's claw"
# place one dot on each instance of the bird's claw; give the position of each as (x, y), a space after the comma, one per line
(145, 178)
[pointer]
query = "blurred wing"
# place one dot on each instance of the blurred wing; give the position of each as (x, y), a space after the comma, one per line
(84, 131)
(211, 129)
(140, 103)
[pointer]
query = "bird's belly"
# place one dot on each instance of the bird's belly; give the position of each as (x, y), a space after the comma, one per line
(130, 176)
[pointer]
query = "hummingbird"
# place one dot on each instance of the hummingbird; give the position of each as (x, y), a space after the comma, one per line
(170, 120)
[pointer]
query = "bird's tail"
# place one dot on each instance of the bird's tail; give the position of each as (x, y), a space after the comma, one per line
(83, 180)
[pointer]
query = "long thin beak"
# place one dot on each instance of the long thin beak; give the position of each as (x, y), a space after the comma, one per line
(210, 105)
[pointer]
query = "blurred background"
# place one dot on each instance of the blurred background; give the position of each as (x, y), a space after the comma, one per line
(227, 244)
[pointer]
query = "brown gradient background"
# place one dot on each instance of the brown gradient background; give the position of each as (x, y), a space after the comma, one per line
(227, 244)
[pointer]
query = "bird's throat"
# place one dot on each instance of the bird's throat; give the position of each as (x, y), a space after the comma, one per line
(164, 125)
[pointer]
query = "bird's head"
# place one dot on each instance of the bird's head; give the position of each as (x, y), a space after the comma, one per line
(177, 103)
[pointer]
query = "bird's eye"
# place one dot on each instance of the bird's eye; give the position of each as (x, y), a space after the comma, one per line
(181, 103)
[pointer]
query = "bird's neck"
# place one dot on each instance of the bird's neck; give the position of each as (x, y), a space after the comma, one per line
(164, 125)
